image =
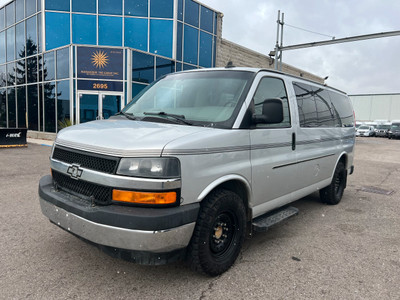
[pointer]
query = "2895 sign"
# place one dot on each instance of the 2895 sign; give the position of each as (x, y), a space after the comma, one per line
(100, 86)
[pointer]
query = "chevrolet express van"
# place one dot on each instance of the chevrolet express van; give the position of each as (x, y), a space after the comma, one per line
(198, 161)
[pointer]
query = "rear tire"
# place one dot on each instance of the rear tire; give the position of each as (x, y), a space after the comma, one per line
(333, 193)
(219, 233)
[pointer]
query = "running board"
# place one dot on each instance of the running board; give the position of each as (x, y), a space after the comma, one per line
(262, 223)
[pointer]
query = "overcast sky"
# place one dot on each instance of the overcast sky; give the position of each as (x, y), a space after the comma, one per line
(370, 66)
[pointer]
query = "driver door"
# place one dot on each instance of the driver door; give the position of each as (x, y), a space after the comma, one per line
(273, 155)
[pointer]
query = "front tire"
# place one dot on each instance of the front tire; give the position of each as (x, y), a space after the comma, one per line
(332, 194)
(219, 233)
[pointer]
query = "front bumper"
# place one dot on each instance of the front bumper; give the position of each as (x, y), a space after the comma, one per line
(380, 133)
(156, 230)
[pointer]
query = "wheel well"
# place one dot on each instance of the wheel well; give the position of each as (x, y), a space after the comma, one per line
(343, 159)
(240, 189)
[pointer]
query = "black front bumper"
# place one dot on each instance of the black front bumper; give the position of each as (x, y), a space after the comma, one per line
(127, 217)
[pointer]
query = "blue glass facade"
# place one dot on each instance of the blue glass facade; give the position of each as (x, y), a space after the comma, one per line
(39, 49)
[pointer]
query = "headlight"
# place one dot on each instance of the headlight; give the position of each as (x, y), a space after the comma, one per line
(389, 131)
(162, 167)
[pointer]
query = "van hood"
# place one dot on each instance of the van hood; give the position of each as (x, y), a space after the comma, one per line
(123, 138)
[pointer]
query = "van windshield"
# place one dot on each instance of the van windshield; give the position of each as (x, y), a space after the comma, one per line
(363, 127)
(205, 98)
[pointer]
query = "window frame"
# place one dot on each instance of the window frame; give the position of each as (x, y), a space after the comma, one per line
(252, 105)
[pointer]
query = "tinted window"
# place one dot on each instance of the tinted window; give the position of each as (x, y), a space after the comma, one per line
(10, 14)
(136, 33)
(30, 7)
(142, 67)
(87, 6)
(137, 8)
(3, 76)
(3, 106)
(110, 31)
(62, 63)
(2, 47)
(31, 36)
(205, 51)
(63, 103)
(306, 105)
(111, 7)
(39, 44)
(319, 107)
(206, 19)
(11, 43)
(33, 107)
(49, 103)
(191, 45)
(48, 66)
(2, 18)
(12, 117)
(343, 107)
(57, 30)
(87, 36)
(180, 10)
(272, 88)
(10, 73)
(20, 39)
(62, 5)
(21, 106)
(164, 66)
(161, 8)
(192, 13)
(19, 10)
(327, 116)
(161, 37)
(20, 71)
(32, 70)
(136, 88)
(179, 37)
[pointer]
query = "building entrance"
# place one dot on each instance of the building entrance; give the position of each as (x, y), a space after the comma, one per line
(97, 105)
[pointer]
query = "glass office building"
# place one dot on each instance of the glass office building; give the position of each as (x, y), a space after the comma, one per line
(71, 61)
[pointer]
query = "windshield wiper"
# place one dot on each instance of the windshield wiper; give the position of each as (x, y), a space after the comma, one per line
(180, 118)
(126, 115)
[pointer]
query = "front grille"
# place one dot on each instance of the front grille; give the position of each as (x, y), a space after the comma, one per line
(101, 194)
(101, 163)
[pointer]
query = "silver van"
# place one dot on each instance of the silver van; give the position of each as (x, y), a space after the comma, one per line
(198, 161)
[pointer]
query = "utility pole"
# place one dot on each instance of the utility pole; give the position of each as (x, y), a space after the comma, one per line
(277, 52)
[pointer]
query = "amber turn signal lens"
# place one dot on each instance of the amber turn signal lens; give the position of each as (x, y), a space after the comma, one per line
(144, 198)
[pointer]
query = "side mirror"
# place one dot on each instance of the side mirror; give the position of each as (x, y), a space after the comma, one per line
(272, 112)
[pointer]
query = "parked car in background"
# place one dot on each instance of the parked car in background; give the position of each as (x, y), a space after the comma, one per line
(382, 130)
(365, 130)
(394, 131)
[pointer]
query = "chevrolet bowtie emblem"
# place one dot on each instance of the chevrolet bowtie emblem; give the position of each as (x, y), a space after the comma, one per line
(74, 171)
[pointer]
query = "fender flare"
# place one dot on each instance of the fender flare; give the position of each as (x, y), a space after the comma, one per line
(223, 179)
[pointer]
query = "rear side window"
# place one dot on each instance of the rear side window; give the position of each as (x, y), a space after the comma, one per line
(272, 88)
(343, 107)
(315, 107)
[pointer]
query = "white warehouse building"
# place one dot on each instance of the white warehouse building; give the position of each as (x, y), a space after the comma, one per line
(372, 107)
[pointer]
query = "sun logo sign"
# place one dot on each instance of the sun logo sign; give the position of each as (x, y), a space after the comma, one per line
(99, 59)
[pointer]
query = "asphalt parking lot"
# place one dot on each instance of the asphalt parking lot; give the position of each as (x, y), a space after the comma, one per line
(348, 251)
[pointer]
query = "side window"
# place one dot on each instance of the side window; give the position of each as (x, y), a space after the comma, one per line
(270, 88)
(342, 105)
(327, 115)
(306, 105)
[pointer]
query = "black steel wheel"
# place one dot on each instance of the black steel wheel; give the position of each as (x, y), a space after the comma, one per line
(219, 233)
(333, 193)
